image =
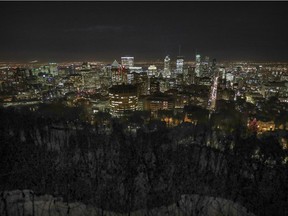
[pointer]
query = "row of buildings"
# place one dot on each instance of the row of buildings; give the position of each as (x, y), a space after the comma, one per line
(121, 88)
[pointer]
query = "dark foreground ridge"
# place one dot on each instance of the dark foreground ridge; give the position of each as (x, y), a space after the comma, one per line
(152, 169)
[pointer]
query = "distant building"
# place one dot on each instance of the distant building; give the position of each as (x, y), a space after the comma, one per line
(118, 73)
(86, 66)
(152, 71)
(189, 75)
(123, 99)
(142, 82)
(159, 101)
(226, 94)
(222, 76)
(136, 69)
(72, 69)
(261, 124)
(179, 65)
(198, 65)
(127, 62)
(163, 85)
(205, 81)
(278, 89)
(154, 85)
(130, 78)
(132, 72)
(253, 97)
(167, 70)
(204, 68)
(53, 69)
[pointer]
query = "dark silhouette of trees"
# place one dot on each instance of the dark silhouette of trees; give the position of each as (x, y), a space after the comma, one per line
(121, 172)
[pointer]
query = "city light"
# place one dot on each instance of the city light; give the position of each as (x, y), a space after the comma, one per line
(103, 112)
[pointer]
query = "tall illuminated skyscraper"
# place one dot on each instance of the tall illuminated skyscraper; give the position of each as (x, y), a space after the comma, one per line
(167, 71)
(179, 64)
(127, 62)
(118, 73)
(213, 93)
(152, 71)
(198, 66)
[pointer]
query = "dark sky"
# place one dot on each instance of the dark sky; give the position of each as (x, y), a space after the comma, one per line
(60, 31)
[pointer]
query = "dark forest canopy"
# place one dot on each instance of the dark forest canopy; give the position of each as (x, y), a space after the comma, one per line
(123, 172)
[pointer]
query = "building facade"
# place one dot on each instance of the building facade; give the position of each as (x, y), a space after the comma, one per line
(123, 99)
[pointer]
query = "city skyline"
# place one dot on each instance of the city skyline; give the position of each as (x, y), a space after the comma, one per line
(150, 108)
(63, 31)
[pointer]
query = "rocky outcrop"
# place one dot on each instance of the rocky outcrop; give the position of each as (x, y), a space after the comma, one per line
(26, 203)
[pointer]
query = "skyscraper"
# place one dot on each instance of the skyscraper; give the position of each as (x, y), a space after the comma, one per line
(198, 66)
(152, 71)
(118, 73)
(179, 64)
(213, 94)
(53, 69)
(167, 71)
(127, 62)
(123, 99)
(204, 67)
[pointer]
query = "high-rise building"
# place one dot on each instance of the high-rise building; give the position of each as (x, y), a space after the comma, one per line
(118, 73)
(189, 75)
(86, 66)
(222, 75)
(213, 67)
(159, 101)
(127, 62)
(198, 65)
(136, 69)
(72, 69)
(179, 64)
(214, 87)
(167, 71)
(154, 85)
(222, 72)
(53, 69)
(152, 71)
(123, 99)
(204, 68)
(142, 81)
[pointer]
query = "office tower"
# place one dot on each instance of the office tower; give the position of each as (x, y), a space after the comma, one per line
(167, 71)
(53, 69)
(152, 71)
(86, 66)
(130, 78)
(119, 75)
(213, 67)
(159, 101)
(197, 65)
(72, 69)
(127, 62)
(179, 64)
(222, 72)
(154, 85)
(205, 68)
(214, 87)
(142, 81)
(123, 99)
(185, 75)
(136, 69)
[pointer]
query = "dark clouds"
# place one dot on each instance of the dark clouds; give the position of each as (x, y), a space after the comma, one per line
(147, 30)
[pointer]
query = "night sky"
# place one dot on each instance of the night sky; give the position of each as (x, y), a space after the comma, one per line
(62, 31)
